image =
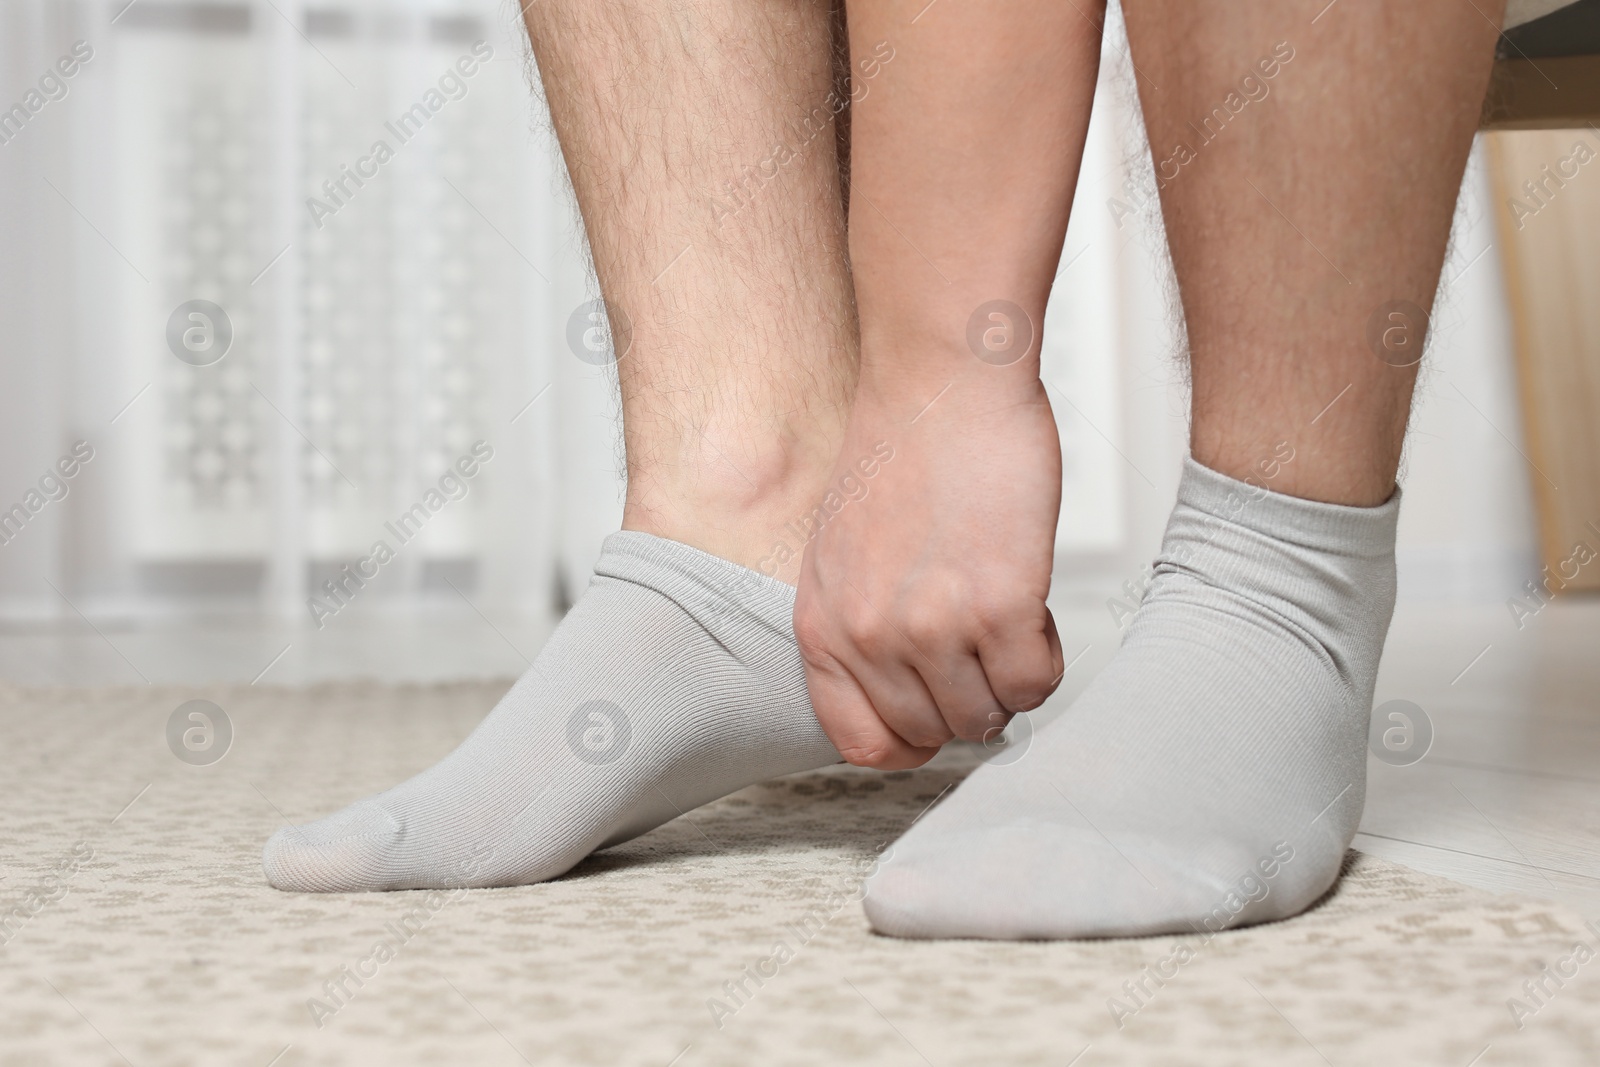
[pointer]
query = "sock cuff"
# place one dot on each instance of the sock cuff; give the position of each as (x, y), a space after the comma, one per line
(1314, 524)
(695, 579)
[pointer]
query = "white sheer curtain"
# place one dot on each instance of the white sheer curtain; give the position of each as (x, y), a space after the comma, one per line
(368, 193)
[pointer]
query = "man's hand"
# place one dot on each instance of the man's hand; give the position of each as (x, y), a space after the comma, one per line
(921, 610)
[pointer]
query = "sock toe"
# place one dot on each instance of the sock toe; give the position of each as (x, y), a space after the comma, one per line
(344, 853)
(1045, 880)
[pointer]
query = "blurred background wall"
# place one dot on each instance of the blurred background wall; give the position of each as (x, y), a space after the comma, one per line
(387, 314)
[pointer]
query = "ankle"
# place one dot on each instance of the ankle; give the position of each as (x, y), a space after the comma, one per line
(1333, 463)
(749, 505)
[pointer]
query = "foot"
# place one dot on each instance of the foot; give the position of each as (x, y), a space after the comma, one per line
(1212, 775)
(673, 681)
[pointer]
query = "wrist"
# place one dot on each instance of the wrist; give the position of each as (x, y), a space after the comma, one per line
(917, 379)
(993, 350)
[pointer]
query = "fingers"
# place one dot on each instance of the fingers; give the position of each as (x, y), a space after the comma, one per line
(889, 694)
(965, 701)
(927, 698)
(1022, 661)
(901, 697)
(850, 719)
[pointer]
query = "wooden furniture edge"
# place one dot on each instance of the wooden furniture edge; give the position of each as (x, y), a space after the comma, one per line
(1556, 92)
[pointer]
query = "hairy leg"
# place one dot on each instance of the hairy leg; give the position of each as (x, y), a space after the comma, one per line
(699, 137)
(1311, 220)
(922, 608)
(1212, 775)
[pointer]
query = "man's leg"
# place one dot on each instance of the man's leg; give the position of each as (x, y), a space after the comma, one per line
(1213, 774)
(699, 138)
(1314, 223)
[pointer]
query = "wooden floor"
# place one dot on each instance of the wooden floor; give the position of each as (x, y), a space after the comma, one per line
(1507, 798)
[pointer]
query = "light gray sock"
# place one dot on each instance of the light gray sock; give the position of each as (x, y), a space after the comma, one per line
(1211, 775)
(673, 681)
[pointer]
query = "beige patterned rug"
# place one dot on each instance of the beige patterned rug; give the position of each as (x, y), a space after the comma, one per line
(137, 929)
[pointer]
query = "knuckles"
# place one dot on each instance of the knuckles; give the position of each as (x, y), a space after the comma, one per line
(929, 625)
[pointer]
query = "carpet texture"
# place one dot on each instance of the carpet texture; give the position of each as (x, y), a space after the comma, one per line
(137, 928)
